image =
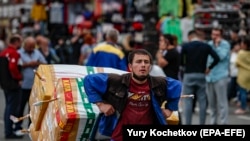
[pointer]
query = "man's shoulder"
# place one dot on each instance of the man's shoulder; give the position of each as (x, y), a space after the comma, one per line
(116, 75)
(20, 50)
(193, 43)
(198, 42)
(107, 48)
(9, 52)
(158, 81)
(226, 42)
(158, 78)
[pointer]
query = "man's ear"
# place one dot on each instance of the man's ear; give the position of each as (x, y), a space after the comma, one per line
(130, 67)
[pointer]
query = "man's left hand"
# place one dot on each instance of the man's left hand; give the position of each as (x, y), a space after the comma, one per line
(166, 112)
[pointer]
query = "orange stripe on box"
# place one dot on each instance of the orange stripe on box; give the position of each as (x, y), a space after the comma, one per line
(70, 109)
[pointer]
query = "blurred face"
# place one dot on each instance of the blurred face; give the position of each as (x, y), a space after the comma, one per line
(18, 44)
(45, 45)
(29, 47)
(162, 43)
(233, 35)
(236, 47)
(216, 35)
(140, 67)
(243, 45)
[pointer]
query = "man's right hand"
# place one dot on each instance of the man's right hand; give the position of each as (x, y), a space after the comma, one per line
(207, 71)
(20, 83)
(217, 41)
(105, 108)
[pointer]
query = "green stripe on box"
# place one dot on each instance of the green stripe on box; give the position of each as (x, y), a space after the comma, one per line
(88, 107)
(90, 70)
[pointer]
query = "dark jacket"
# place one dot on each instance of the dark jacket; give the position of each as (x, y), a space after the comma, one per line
(7, 82)
(194, 57)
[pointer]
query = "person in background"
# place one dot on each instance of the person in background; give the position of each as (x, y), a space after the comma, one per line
(86, 49)
(194, 81)
(175, 43)
(234, 37)
(108, 54)
(10, 81)
(233, 72)
(243, 77)
(39, 39)
(76, 43)
(31, 58)
(2, 42)
(63, 50)
(217, 78)
(39, 17)
(134, 97)
(48, 52)
(202, 37)
(168, 58)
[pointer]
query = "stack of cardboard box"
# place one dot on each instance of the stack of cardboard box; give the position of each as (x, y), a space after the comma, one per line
(59, 107)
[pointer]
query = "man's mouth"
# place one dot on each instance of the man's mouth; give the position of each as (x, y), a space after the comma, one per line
(142, 70)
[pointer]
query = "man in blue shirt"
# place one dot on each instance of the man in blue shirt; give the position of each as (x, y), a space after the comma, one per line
(217, 78)
(31, 58)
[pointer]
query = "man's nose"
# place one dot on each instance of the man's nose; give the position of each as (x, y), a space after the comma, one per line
(143, 64)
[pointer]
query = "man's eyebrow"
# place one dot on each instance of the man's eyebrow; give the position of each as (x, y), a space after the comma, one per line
(142, 60)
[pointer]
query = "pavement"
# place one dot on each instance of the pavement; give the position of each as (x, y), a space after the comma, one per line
(25, 122)
(233, 119)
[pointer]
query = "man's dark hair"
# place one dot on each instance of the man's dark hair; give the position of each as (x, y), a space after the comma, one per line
(246, 41)
(141, 52)
(14, 39)
(218, 29)
(170, 38)
(192, 32)
(235, 31)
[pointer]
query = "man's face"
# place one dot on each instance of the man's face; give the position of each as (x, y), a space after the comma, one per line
(140, 67)
(243, 45)
(162, 43)
(29, 47)
(216, 35)
(18, 44)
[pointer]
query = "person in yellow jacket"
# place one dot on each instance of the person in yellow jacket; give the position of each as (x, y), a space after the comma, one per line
(39, 16)
(243, 77)
(38, 11)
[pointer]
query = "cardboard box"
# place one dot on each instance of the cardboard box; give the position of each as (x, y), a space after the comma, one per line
(44, 90)
(33, 134)
(70, 117)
